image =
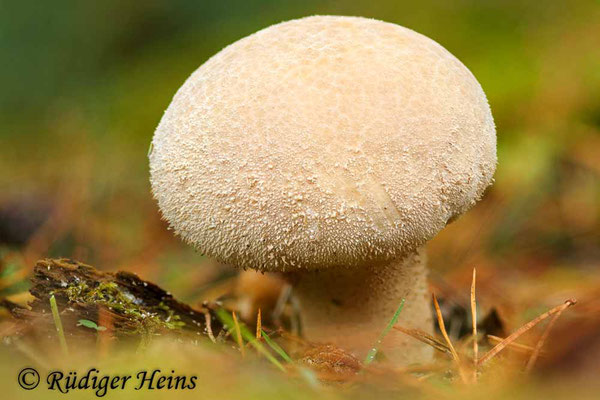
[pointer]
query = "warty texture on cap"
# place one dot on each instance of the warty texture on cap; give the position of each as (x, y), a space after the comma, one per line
(322, 142)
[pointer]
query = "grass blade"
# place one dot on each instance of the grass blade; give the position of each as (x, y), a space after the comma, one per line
(59, 327)
(306, 374)
(238, 334)
(373, 352)
(276, 347)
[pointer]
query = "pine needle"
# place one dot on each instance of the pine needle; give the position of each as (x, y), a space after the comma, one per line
(523, 348)
(474, 318)
(228, 321)
(373, 352)
(543, 338)
(447, 338)
(258, 325)
(238, 334)
(59, 327)
(500, 346)
(425, 338)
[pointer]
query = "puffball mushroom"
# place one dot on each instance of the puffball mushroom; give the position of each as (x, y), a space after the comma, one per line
(330, 149)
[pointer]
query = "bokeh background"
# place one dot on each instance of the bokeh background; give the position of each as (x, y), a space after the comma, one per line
(84, 84)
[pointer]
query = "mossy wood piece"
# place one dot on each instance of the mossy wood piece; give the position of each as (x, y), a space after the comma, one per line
(129, 305)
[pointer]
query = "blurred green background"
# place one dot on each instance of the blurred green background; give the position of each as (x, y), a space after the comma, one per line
(84, 84)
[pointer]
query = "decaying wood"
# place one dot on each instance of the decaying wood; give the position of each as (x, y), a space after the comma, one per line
(121, 302)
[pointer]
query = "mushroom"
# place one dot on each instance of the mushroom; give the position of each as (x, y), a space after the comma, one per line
(329, 149)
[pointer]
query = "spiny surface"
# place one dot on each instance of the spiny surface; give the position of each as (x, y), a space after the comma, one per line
(322, 142)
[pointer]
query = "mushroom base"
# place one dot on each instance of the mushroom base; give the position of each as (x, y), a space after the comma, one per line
(350, 308)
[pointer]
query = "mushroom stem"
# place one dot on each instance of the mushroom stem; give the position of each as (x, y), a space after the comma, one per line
(350, 308)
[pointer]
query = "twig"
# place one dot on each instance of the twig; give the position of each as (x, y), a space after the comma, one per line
(543, 338)
(500, 346)
(474, 318)
(209, 330)
(447, 338)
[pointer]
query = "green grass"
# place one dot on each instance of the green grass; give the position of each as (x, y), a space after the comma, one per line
(373, 352)
(59, 327)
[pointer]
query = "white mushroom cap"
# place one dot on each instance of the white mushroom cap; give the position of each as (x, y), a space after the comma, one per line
(321, 142)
